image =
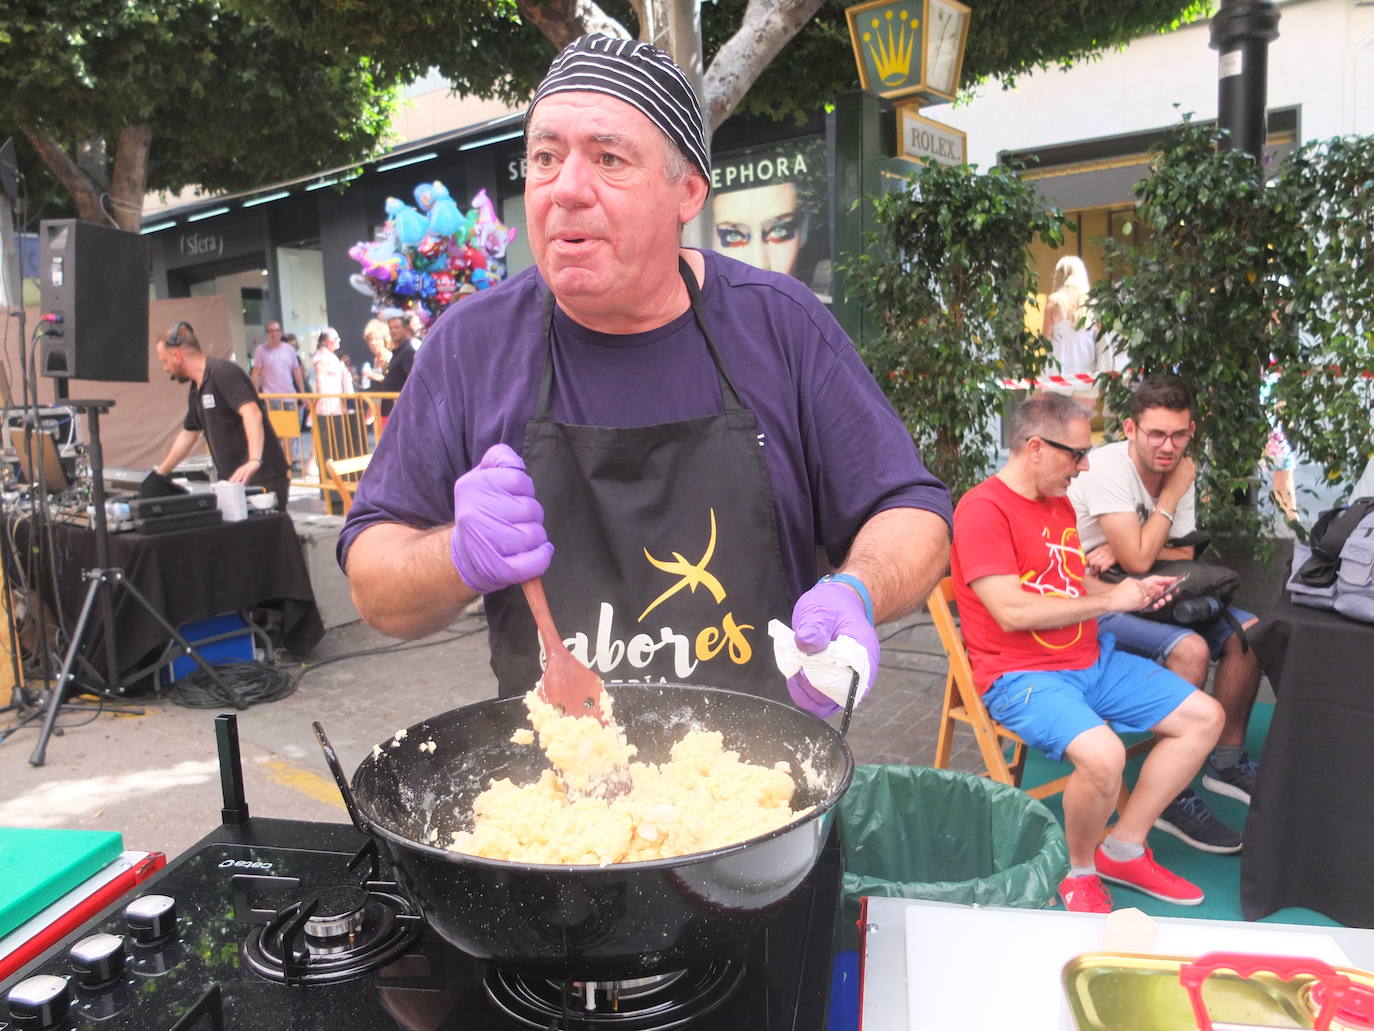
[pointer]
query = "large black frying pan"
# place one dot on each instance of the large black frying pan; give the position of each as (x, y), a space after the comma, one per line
(589, 922)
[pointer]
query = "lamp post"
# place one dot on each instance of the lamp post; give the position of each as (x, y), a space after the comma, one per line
(1241, 31)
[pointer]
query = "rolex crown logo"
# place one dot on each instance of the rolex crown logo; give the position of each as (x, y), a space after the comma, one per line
(891, 44)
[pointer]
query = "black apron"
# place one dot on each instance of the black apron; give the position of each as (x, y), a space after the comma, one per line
(666, 562)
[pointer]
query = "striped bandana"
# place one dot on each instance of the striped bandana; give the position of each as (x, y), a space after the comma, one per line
(641, 75)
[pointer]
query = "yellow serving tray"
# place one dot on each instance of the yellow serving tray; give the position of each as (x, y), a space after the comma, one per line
(1114, 991)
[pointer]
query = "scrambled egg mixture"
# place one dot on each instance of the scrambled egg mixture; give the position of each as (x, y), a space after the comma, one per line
(703, 798)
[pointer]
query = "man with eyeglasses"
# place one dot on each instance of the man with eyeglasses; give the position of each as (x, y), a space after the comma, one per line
(1135, 502)
(1030, 610)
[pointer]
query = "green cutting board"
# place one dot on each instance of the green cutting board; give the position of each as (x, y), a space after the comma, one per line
(38, 867)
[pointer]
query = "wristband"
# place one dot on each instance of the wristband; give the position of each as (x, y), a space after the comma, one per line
(859, 589)
(1167, 515)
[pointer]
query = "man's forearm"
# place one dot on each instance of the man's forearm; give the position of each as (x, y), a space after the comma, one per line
(900, 555)
(1018, 609)
(252, 430)
(181, 447)
(403, 580)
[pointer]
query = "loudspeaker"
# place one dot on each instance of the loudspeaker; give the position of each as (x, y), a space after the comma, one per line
(95, 279)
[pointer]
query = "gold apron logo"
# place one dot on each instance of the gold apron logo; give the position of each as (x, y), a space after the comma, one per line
(685, 649)
(691, 575)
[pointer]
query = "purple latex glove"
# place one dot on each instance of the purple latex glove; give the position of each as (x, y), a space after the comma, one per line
(498, 527)
(820, 616)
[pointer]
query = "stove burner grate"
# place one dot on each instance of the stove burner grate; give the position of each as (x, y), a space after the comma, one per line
(332, 935)
(644, 1004)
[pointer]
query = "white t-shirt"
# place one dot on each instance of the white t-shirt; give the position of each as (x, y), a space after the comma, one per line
(1112, 484)
(330, 376)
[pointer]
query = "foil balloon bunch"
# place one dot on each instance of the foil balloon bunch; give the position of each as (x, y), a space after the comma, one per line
(428, 254)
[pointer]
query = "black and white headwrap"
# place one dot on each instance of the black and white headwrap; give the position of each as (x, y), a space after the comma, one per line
(641, 75)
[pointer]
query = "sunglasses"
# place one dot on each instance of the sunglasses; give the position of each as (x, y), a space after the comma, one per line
(1078, 453)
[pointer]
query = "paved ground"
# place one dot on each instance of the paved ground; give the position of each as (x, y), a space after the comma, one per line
(155, 777)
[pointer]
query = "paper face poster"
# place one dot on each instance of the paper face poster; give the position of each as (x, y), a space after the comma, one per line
(768, 209)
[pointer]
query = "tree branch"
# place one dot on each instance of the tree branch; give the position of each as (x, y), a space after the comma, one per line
(767, 27)
(83, 189)
(562, 21)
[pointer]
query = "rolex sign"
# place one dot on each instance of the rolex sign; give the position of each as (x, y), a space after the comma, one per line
(909, 48)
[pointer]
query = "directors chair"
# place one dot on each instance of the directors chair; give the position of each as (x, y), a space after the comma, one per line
(345, 474)
(963, 704)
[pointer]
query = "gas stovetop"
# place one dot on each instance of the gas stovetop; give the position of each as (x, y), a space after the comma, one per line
(270, 924)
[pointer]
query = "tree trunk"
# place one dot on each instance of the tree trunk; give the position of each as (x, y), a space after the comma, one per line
(126, 188)
(675, 26)
(130, 181)
(83, 189)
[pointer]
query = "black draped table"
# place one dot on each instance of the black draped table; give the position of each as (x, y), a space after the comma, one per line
(188, 576)
(1309, 837)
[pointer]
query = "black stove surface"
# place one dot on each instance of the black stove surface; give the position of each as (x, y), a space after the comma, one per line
(216, 970)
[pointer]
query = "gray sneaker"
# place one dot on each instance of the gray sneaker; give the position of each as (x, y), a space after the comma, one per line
(1191, 820)
(1236, 781)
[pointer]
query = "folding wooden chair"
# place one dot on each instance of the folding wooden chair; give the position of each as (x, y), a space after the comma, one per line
(345, 473)
(963, 704)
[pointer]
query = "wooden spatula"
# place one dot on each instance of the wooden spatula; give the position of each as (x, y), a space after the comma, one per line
(567, 683)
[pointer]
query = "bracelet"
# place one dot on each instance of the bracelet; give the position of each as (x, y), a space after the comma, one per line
(259, 461)
(859, 589)
(1167, 515)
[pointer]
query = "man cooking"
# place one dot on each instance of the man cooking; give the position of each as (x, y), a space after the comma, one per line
(665, 435)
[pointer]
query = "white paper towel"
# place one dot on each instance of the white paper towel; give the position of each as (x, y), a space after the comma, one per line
(830, 671)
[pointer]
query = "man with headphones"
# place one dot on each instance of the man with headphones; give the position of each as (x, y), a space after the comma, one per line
(224, 406)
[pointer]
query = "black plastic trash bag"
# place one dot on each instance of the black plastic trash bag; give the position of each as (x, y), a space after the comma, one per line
(946, 836)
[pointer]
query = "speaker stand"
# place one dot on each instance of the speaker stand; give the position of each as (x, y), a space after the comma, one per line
(104, 580)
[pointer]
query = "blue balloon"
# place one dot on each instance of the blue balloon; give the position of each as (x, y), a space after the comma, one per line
(444, 217)
(410, 224)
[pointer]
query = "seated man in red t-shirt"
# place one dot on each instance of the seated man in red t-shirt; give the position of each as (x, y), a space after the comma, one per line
(1028, 606)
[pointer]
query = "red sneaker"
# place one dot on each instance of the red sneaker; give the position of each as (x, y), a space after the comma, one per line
(1144, 874)
(1085, 894)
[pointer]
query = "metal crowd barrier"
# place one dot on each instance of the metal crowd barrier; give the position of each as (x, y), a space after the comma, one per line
(314, 428)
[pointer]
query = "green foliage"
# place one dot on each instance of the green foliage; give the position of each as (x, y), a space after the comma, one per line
(948, 275)
(1006, 39)
(232, 103)
(481, 46)
(1231, 276)
(1328, 397)
(1195, 292)
(485, 49)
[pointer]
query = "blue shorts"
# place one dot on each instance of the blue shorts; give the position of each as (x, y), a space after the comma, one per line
(1051, 708)
(1155, 640)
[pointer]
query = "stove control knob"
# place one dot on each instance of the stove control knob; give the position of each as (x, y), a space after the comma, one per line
(98, 960)
(152, 919)
(40, 1002)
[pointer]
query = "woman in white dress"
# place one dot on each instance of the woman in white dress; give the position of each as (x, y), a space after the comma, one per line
(1068, 320)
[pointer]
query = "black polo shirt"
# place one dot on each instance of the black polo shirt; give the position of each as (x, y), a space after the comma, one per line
(397, 372)
(214, 410)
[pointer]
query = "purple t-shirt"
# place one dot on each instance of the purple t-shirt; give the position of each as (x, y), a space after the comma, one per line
(835, 452)
(277, 365)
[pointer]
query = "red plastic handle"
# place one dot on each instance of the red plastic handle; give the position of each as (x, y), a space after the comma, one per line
(1191, 976)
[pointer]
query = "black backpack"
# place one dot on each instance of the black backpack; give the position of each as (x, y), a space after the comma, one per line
(1203, 596)
(1329, 534)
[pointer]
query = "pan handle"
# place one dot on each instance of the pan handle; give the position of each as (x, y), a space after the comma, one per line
(332, 758)
(849, 703)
